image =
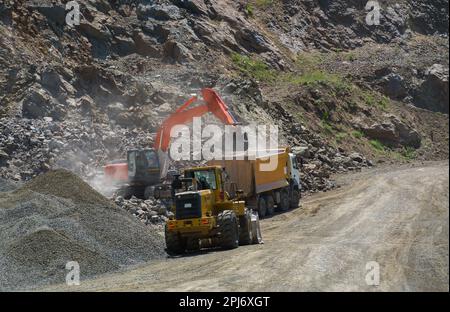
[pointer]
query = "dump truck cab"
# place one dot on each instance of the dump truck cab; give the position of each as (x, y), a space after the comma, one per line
(206, 216)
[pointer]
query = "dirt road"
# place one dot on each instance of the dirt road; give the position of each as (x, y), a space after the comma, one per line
(398, 218)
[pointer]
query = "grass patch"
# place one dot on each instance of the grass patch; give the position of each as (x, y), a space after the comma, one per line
(253, 68)
(373, 99)
(249, 10)
(264, 3)
(377, 145)
(341, 137)
(357, 134)
(315, 77)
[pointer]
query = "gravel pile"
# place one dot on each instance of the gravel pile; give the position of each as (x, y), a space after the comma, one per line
(57, 218)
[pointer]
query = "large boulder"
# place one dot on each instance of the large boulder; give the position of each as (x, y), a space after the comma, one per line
(434, 90)
(394, 132)
(38, 104)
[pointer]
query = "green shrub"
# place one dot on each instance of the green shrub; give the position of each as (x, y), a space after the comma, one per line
(377, 145)
(249, 10)
(409, 152)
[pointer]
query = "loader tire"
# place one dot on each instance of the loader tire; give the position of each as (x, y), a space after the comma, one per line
(270, 204)
(295, 199)
(229, 229)
(175, 245)
(245, 228)
(284, 201)
(262, 207)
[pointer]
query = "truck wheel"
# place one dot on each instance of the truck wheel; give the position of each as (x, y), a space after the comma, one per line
(229, 229)
(174, 243)
(295, 198)
(262, 207)
(270, 203)
(284, 201)
(245, 228)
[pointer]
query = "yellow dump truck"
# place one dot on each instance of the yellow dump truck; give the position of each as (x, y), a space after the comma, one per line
(267, 182)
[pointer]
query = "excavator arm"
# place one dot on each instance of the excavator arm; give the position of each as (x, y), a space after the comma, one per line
(183, 115)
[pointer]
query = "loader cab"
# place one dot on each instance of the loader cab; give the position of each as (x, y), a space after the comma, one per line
(143, 167)
(208, 178)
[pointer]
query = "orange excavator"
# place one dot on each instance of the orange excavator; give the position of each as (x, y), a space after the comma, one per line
(146, 168)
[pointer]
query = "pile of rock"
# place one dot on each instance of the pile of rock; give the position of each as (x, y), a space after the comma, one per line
(150, 211)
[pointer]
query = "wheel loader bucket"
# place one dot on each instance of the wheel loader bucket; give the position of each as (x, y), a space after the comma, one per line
(256, 230)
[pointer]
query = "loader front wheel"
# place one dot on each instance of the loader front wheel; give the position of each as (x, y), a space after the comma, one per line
(229, 229)
(245, 228)
(174, 243)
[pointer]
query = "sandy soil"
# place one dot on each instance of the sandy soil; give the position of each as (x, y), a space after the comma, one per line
(397, 217)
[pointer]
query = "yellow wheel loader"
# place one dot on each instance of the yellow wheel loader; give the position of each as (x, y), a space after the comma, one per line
(205, 216)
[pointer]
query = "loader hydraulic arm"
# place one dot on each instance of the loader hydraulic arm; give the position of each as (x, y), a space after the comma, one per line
(183, 115)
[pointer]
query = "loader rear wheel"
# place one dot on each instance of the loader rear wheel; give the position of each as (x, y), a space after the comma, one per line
(270, 203)
(284, 201)
(245, 228)
(262, 207)
(174, 243)
(229, 229)
(295, 198)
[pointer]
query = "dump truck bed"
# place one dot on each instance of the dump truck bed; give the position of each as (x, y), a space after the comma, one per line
(254, 176)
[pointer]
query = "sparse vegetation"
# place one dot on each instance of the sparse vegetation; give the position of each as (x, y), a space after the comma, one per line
(264, 3)
(249, 9)
(254, 68)
(409, 152)
(377, 145)
(357, 134)
(341, 137)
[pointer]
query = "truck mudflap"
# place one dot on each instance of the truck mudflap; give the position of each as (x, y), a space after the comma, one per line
(256, 230)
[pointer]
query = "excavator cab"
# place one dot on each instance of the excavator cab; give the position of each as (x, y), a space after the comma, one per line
(143, 167)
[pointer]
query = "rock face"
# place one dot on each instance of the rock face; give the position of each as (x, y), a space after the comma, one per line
(393, 132)
(433, 92)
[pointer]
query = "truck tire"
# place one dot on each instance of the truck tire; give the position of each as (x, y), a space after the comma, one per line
(262, 207)
(175, 245)
(270, 204)
(245, 228)
(284, 201)
(229, 229)
(295, 198)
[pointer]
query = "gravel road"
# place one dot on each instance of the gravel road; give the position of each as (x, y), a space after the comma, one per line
(396, 217)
